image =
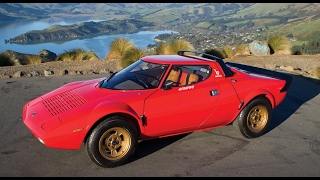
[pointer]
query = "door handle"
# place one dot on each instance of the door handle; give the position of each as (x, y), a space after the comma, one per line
(214, 92)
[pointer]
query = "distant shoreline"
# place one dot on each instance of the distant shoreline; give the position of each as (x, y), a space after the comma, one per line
(159, 40)
(98, 44)
(81, 30)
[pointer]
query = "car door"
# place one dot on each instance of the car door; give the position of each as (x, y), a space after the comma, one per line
(180, 109)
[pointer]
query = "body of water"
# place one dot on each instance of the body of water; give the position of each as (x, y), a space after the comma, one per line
(99, 44)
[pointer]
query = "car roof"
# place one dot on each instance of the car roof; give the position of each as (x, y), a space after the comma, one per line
(182, 58)
(175, 59)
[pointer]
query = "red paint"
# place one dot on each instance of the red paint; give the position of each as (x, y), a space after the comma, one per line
(79, 105)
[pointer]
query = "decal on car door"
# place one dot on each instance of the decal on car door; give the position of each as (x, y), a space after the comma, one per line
(217, 73)
(185, 88)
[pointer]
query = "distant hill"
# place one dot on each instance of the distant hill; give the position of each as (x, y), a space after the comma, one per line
(101, 10)
(297, 21)
(81, 30)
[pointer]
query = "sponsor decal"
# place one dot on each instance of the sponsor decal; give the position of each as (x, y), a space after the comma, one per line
(185, 88)
(217, 73)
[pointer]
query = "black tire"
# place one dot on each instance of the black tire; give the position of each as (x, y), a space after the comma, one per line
(254, 120)
(112, 142)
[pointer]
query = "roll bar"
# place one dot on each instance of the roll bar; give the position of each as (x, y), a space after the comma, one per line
(224, 67)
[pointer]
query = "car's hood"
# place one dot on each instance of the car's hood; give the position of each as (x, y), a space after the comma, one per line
(72, 95)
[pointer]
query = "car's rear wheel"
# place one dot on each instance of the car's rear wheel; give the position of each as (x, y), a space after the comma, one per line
(254, 120)
(112, 142)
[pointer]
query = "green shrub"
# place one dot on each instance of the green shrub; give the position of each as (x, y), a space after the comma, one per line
(313, 47)
(6, 60)
(215, 52)
(298, 50)
(130, 56)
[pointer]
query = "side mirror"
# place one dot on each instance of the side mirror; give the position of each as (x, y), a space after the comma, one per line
(167, 85)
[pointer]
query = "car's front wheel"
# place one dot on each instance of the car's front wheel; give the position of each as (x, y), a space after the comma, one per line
(254, 120)
(112, 142)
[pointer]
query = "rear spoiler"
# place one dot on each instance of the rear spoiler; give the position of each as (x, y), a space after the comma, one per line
(252, 69)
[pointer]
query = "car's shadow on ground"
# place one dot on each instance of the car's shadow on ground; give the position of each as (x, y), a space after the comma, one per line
(148, 147)
(302, 89)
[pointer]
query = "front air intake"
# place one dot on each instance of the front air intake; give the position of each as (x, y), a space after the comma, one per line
(63, 102)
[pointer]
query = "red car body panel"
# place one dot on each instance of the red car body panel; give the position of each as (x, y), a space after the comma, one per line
(63, 117)
(246, 92)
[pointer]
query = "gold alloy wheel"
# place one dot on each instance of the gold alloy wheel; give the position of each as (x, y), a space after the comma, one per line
(115, 143)
(257, 118)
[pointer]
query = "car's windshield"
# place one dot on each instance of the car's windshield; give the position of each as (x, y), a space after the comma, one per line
(139, 75)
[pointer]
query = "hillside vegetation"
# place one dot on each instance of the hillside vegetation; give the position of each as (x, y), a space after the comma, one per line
(123, 52)
(299, 19)
(205, 26)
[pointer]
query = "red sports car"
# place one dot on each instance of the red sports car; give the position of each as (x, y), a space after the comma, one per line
(156, 96)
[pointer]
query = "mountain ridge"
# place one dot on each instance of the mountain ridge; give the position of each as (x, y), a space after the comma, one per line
(232, 23)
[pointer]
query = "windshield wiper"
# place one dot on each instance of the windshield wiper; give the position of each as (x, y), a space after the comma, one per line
(111, 76)
(106, 79)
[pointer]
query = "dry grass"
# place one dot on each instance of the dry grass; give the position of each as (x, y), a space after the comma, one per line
(34, 59)
(316, 72)
(179, 45)
(131, 56)
(241, 49)
(77, 54)
(279, 45)
(215, 52)
(227, 51)
(174, 47)
(6, 60)
(118, 47)
(163, 49)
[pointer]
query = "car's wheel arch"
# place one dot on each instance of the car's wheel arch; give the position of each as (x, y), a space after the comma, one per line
(247, 100)
(126, 117)
(259, 93)
(108, 109)
(250, 97)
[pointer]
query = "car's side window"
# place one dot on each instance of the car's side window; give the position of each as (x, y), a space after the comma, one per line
(186, 75)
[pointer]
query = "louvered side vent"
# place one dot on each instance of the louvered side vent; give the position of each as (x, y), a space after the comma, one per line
(63, 102)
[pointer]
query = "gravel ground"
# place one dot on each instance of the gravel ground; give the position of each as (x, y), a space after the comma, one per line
(303, 62)
(297, 64)
(59, 68)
